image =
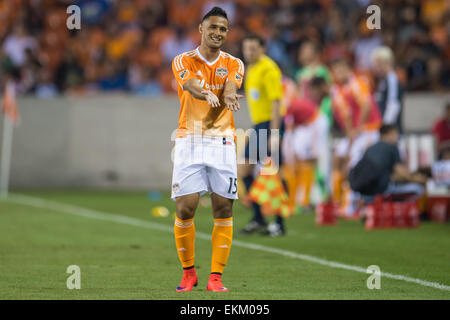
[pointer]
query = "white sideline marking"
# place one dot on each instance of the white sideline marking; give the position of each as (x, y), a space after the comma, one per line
(94, 214)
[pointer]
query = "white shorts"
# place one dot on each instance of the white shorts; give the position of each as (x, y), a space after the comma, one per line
(311, 139)
(362, 142)
(204, 164)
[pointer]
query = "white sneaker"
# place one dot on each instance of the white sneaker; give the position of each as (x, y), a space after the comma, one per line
(274, 230)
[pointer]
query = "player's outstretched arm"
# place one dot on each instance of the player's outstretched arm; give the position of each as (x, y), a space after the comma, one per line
(230, 96)
(194, 88)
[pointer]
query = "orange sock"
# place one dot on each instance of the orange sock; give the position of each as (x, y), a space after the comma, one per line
(184, 240)
(300, 183)
(291, 181)
(337, 179)
(221, 243)
(307, 177)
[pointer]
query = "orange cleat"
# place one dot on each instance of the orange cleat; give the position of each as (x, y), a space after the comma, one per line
(189, 280)
(215, 283)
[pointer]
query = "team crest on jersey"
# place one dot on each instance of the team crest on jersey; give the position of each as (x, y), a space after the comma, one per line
(176, 187)
(183, 74)
(238, 77)
(221, 72)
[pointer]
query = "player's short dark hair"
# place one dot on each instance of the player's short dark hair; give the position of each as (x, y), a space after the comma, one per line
(215, 12)
(317, 82)
(387, 128)
(255, 37)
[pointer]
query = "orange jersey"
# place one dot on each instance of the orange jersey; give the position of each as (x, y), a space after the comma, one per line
(347, 100)
(195, 114)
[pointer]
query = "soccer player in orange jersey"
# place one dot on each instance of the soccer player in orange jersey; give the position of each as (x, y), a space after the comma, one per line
(205, 152)
(356, 112)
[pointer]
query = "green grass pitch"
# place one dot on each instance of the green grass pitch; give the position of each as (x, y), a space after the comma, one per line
(123, 261)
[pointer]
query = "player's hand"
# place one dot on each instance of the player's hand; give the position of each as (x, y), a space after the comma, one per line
(211, 98)
(232, 101)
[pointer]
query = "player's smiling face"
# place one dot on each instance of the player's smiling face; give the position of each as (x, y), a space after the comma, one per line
(214, 31)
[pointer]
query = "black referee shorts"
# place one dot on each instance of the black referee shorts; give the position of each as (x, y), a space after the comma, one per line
(262, 132)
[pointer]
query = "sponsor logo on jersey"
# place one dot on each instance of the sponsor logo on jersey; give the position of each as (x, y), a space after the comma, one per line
(213, 86)
(221, 72)
(183, 74)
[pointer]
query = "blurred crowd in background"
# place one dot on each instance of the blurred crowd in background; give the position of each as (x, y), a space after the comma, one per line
(128, 45)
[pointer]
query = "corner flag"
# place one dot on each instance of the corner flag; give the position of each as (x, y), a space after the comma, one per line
(268, 191)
